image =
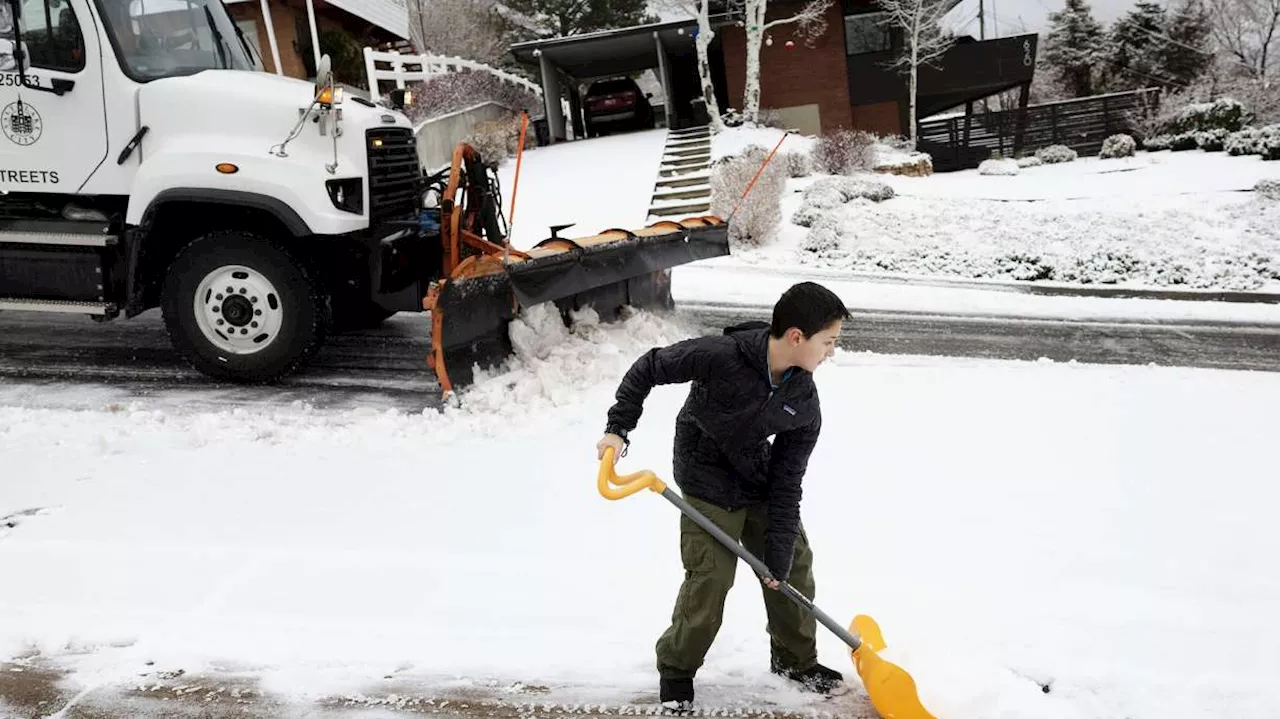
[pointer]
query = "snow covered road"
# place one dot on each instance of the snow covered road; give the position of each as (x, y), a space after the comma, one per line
(63, 361)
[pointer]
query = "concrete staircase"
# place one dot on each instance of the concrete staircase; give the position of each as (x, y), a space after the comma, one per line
(683, 186)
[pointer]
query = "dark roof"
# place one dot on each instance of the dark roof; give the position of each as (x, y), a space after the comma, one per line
(609, 52)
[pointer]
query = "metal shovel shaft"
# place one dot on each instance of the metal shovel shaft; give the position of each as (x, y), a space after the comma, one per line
(760, 568)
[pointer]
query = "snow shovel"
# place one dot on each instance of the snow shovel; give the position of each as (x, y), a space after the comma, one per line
(891, 689)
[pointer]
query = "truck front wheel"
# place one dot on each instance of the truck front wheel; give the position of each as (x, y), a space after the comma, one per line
(239, 307)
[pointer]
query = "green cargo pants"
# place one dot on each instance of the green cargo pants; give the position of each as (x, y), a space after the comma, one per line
(709, 568)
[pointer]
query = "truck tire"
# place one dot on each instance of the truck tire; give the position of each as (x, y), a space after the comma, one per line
(241, 308)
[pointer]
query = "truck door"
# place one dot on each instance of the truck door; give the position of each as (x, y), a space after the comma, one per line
(51, 143)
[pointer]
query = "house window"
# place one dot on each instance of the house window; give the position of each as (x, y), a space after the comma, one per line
(866, 33)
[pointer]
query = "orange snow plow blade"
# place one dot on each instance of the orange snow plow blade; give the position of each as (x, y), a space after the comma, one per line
(607, 272)
(891, 689)
(484, 282)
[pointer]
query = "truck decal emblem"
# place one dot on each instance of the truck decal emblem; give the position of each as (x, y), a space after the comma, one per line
(21, 123)
(389, 119)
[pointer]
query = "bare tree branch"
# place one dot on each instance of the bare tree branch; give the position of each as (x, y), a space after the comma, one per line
(470, 29)
(1248, 30)
(812, 22)
(923, 42)
(812, 19)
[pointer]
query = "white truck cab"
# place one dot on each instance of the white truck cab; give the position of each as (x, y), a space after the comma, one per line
(147, 160)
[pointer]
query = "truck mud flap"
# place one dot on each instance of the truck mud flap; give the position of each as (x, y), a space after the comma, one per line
(607, 272)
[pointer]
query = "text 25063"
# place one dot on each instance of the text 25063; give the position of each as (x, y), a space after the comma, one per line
(8, 79)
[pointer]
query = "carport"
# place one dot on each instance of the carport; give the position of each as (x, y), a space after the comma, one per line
(565, 61)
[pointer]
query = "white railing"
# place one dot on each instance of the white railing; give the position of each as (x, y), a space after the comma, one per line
(428, 66)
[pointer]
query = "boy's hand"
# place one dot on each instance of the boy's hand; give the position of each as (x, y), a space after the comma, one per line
(770, 583)
(610, 440)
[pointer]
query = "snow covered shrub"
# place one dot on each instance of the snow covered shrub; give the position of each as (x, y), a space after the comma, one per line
(824, 236)
(1269, 147)
(761, 212)
(998, 167)
(1103, 266)
(799, 164)
(1244, 142)
(1157, 143)
(1022, 266)
(1120, 145)
(1029, 161)
(1183, 141)
(453, 91)
(493, 140)
(1268, 189)
(807, 215)
(1223, 114)
(1211, 140)
(732, 117)
(1055, 154)
(845, 152)
(832, 192)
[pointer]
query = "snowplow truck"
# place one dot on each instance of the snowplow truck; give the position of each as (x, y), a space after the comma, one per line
(148, 160)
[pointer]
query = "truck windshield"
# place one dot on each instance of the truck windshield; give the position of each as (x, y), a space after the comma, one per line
(165, 38)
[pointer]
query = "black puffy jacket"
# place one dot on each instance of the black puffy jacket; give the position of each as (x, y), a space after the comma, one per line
(722, 452)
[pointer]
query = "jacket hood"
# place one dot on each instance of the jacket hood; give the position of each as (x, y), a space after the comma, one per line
(752, 338)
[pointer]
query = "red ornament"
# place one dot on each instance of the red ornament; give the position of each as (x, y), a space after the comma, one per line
(790, 45)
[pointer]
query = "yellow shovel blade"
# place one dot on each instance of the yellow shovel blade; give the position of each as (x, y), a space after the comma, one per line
(891, 688)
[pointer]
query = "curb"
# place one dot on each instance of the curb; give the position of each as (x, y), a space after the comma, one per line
(1022, 287)
(763, 311)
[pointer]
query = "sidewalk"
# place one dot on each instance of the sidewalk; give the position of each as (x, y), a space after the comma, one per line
(728, 281)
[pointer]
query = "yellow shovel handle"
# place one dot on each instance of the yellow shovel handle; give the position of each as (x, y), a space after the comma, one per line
(614, 487)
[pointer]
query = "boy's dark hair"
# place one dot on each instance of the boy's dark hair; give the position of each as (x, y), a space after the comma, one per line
(808, 306)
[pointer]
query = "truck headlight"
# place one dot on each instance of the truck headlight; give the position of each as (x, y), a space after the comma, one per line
(347, 194)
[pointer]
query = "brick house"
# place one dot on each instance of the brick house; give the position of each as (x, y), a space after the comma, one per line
(375, 23)
(842, 78)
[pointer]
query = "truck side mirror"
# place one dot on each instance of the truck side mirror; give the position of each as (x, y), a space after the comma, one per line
(324, 92)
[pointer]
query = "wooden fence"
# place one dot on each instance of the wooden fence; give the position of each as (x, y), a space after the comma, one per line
(964, 141)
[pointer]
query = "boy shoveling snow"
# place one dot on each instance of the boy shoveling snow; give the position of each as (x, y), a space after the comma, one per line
(751, 383)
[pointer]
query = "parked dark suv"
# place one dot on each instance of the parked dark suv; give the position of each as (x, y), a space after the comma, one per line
(615, 104)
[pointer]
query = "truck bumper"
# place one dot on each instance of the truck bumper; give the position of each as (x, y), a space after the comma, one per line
(404, 258)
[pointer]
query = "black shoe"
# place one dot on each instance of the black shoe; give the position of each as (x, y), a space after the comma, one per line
(816, 678)
(676, 694)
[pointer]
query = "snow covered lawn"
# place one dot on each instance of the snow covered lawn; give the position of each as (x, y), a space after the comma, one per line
(1182, 220)
(1113, 540)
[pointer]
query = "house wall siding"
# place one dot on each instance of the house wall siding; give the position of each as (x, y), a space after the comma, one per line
(801, 75)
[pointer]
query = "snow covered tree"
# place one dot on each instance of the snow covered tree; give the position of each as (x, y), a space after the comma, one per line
(1249, 31)
(1074, 46)
(810, 22)
(559, 18)
(701, 41)
(1186, 55)
(1135, 48)
(470, 29)
(923, 42)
